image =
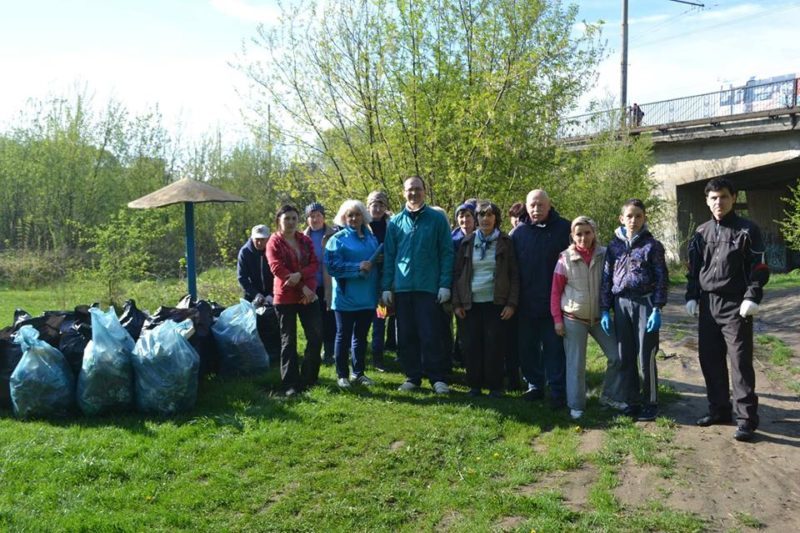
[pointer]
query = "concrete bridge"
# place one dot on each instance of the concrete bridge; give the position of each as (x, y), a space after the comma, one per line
(755, 143)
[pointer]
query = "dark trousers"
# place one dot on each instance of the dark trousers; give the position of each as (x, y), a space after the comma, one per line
(445, 315)
(328, 323)
(269, 330)
(637, 349)
(378, 335)
(351, 327)
(292, 374)
(483, 337)
(724, 333)
(512, 355)
(419, 345)
(541, 355)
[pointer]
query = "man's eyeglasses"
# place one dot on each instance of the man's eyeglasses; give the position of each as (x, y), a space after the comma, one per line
(485, 213)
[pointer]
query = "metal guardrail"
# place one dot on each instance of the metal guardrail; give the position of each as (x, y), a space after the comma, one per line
(750, 98)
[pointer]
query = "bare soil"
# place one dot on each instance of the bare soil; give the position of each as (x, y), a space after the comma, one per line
(733, 485)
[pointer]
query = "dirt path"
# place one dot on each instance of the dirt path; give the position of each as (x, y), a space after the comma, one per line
(734, 485)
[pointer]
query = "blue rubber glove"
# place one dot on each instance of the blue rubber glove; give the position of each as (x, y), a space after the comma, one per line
(605, 322)
(654, 321)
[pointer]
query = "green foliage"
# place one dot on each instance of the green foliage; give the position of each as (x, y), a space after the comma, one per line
(131, 247)
(467, 94)
(24, 269)
(790, 224)
(597, 180)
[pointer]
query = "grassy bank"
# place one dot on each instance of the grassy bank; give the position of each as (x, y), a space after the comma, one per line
(363, 460)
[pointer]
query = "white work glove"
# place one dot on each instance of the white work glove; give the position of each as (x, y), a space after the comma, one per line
(386, 298)
(692, 308)
(748, 308)
(444, 295)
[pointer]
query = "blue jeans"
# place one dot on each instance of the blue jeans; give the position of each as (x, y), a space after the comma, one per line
(541, 355)
(419, 345)
(351, 326)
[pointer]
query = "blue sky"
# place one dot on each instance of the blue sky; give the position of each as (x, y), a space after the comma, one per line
(176, 53)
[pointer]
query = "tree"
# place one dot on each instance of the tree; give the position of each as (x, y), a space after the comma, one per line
(465, 93)
(790, 224)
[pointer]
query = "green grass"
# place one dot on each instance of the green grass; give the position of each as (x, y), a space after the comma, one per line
(788, 280)
(778, 353)
(365, 460)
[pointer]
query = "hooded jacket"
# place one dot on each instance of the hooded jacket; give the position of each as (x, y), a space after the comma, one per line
(344, 252)
(537, 247)
(634, 268)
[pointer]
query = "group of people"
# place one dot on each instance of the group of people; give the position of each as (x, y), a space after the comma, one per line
(524, 302)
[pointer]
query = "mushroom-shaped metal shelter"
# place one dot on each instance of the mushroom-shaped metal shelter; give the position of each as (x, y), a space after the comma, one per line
(188, 192)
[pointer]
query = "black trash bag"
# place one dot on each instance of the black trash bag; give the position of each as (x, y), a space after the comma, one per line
(21, 315)
(105, 383)
(132, 319)
(269, 330)
(73, 343)
(216, 309)
(241, 351)
(165, 313)
(10, 354)
(166, 369)
(187, 302)
(42, 384)
(203, 338)
(76, 332)
(48, 326)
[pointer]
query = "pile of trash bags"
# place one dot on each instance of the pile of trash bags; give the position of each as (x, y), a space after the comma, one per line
(99, 363)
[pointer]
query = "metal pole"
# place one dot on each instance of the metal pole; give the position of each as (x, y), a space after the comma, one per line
(191, 273)
(623, 91)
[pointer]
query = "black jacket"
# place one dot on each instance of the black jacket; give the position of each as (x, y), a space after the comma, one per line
(253, 271)
(537, 247)
(727, 257)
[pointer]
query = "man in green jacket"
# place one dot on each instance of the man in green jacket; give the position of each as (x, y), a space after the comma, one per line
(417, 275)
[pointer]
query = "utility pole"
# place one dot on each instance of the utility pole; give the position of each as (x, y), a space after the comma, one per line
(623, 90)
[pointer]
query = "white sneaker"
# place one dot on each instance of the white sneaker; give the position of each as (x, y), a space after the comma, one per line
(343, 383)
(364, 380)
(613, 404)
(440, 387)
(407, 386)
(575, 414)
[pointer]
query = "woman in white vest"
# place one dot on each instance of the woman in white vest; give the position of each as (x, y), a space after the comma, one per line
(575, 306)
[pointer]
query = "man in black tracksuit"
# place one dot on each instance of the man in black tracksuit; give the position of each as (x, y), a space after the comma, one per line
(727, 273)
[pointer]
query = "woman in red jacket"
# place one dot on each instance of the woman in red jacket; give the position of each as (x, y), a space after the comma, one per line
(293, 263)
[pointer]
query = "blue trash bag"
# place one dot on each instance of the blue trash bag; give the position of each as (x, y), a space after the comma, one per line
(166, 369)
(105, 382)
(241, 351)
(42, 384)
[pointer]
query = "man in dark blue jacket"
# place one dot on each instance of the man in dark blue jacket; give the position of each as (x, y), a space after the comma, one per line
(255, 278)
(252, 268)
(538, 240)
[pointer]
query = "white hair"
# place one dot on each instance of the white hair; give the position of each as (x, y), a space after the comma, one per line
(349, 205)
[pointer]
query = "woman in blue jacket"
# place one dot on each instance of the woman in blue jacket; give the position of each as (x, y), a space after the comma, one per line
(349, 257)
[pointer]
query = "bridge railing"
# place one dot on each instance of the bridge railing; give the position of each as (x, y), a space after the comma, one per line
(751, 98)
